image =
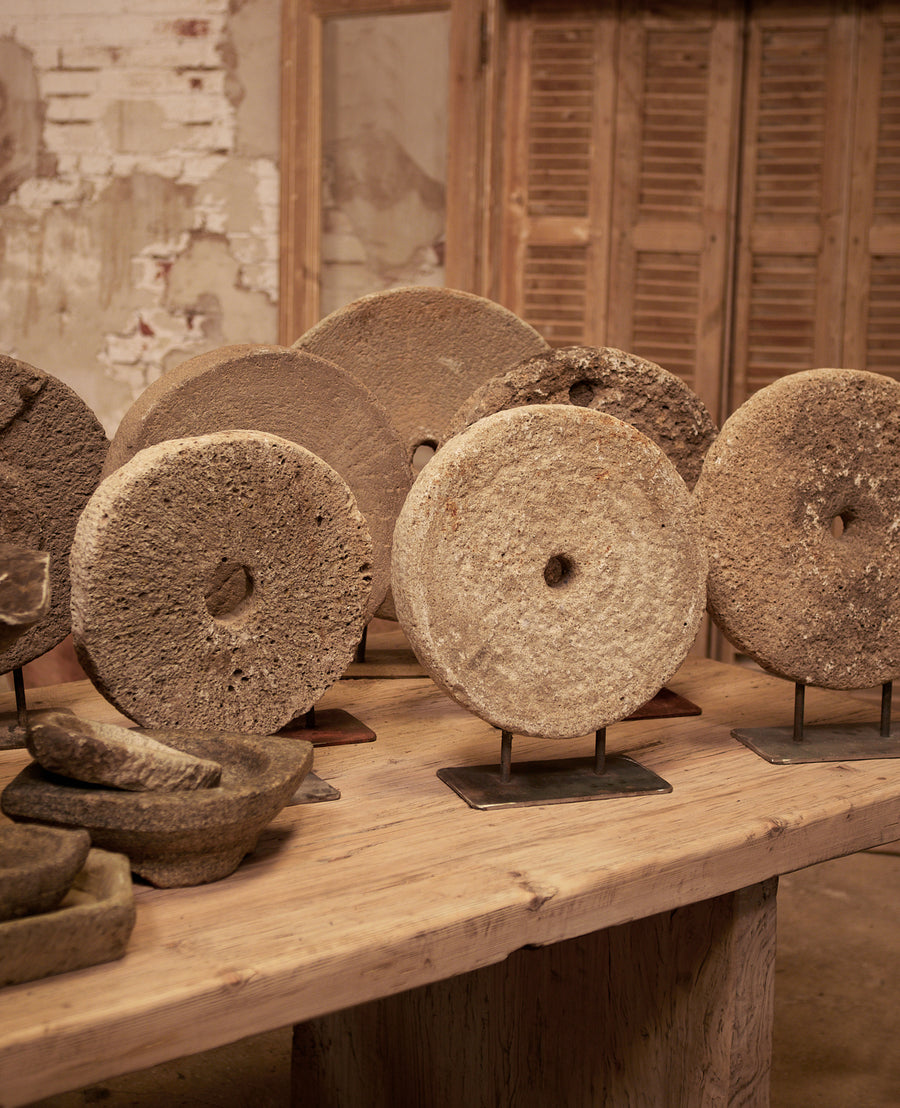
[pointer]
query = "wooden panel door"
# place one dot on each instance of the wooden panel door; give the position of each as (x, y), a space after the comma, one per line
(557, 112)
(872, 327)
(792, 250)
(673, 189)
(619, 170)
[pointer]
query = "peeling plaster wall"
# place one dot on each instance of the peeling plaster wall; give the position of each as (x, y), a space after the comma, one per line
(138, 186)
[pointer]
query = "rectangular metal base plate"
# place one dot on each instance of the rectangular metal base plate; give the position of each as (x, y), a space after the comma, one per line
(552, 782)
(666, 705)
(313, 790)
(850, 742)
(333, 727)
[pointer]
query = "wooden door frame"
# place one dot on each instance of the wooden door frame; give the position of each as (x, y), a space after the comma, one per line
(471, 28)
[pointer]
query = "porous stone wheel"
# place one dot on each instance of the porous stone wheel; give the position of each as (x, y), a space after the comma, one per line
(219, 582)
(800, 501)
(641, 393)
(548, 570)
(297, 396)
(422, 351)
(52, 448)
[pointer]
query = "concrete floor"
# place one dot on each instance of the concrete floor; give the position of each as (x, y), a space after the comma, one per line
(837, 1009)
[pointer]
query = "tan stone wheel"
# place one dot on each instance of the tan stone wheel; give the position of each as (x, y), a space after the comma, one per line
(297, 396)
(52, 448)
(548, 570)
(800, 499)
(219, 582)
(641, 393)
(422, 351)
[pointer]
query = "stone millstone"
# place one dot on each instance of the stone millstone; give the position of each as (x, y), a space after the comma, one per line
(52, 449)
(298, 397)
(641, 393)
(422, 351)
(104, 754)
(548, 570)
(153, 625)
(800, 499)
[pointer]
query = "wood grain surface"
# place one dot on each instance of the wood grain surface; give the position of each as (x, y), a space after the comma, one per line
(400, 884)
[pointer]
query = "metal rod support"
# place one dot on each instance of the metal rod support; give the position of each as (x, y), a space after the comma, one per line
(600, 751)
(505, 756)
(886, 690)
(21, 706)
(361, 649)
(309, 720)
(799, 700)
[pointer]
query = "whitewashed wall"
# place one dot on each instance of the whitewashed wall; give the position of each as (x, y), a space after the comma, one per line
(138, 186)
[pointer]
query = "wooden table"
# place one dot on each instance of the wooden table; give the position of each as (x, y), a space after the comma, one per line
(656, 988)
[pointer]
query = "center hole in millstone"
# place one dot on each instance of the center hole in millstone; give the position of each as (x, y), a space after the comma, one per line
(559, 570)
(422, 454)
(229, 589)
(841, 522)
(581, 393)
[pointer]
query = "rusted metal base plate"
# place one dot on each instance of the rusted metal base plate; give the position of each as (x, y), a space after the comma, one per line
(820, 743)
(313, 790)
(332, 727)
(666, 705)
(559, 781)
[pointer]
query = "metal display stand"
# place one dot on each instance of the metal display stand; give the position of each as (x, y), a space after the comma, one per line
(557, 781)
(824, 742)
(564, 780)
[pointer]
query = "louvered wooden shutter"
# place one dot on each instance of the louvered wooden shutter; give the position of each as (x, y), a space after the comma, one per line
(789, 304)
(872, 331)
(619, 160)
(557, 155)
(677, 116)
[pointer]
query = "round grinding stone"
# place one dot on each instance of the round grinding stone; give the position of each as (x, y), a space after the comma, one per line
(641, 393)
(52, 449)
(548, 571)
(298, 397)
(800, 501)
(219, 582)
(422, 351)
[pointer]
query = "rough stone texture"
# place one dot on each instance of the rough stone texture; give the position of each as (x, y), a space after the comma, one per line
(813, 453)
(548, 570)
(91, 925)
(422, 351)
(104, 754)
(293, 394)
(641, 393)
(176, 838)
(51, 452)
(149, 556)
(37, 866)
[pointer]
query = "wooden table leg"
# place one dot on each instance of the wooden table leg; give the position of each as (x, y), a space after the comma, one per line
(673, 1010)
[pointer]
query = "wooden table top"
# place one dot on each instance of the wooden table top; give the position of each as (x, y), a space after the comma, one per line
(400, 883)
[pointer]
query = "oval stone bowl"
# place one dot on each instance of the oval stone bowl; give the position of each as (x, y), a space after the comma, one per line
(37, 866)
(175, 838)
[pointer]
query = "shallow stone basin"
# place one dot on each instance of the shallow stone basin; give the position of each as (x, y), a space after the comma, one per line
(174, 839)
(37, 866)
